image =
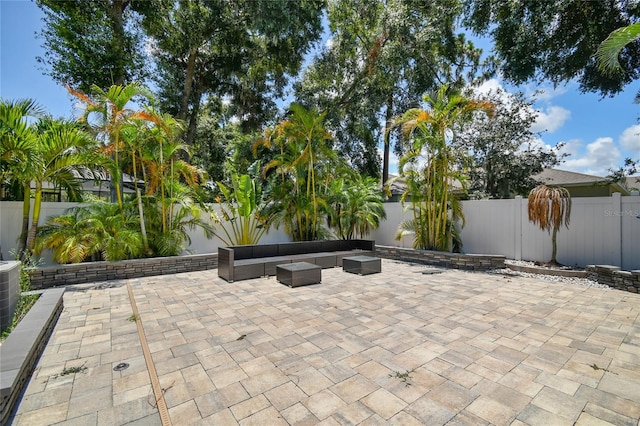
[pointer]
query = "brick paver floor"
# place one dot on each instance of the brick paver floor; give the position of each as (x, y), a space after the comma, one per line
(399, 347)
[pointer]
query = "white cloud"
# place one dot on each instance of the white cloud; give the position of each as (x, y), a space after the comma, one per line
(630, 138)
(544, 94)
(599, 156)
(551, 119)
(491, 85)
(535, 143)
(572, 147)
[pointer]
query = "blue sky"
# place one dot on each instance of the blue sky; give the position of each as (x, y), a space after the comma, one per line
(599, 133)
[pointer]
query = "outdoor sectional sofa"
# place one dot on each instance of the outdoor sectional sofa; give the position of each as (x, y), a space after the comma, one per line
(237, 263)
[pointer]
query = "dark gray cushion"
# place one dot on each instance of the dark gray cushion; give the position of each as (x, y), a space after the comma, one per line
(265, 250)
(286, 249)
(331, 245)
(242, 252)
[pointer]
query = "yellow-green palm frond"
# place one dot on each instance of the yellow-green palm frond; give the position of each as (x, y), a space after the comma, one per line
(609, 50)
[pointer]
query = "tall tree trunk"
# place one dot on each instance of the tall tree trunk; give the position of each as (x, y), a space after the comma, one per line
(37, 204)
(193, 118)
(143, 229)
(116, 12)
(554, 246)
(26, 208)
(188, 83)
(387, 140)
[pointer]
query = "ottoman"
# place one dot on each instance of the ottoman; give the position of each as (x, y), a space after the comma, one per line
(298, 273)
(362, 265)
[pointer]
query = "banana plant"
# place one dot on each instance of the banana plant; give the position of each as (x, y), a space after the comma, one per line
(241, 219)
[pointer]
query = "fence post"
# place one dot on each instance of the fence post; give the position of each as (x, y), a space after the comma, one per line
(616, 238)
(518, 226)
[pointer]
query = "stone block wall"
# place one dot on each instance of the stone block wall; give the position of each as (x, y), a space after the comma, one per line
(468, 262)
(80, 273)
(614, 277)
(9, 292)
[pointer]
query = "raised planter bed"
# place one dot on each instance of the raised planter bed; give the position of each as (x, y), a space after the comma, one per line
(615, 277)
(21, 350)
(87, 272)
(467, 262)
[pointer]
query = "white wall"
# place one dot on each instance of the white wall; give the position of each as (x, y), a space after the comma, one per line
(11, 223)
(603, 230)
(200, 244)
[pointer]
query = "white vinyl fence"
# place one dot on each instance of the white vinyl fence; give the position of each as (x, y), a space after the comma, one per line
(11, 223)
(603, 230)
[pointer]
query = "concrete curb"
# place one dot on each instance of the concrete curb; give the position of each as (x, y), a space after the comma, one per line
(21, 350)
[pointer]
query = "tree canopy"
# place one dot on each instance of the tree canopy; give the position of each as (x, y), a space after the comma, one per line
(93, 42)
(381, 58)
(557, 40)
(243, 51)
(505, 152)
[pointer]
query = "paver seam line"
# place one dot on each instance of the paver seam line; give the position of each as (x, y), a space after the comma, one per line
(153, 375)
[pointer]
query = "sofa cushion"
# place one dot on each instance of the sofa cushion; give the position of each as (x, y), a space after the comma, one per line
(331, 245)
(242, 252)
(326, 260)
(270, 263)
(265, 250)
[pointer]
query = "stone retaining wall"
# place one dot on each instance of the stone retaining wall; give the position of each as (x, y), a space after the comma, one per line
(468, 262)
(614, 277)
(79, 273)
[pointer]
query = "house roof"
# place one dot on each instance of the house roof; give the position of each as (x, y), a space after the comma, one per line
(557, 177)
(566, 178)
(633, 182)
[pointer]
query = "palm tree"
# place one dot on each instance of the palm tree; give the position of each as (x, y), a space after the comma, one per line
(156, 162)
(185, 213)
(17, 151)
(549, 208)
(16, 136)
(133, 137)
(64, 154)
(111, 114)
(609, 50)
(96, 229)
(304, 151)
(355, 205)
(431, 161)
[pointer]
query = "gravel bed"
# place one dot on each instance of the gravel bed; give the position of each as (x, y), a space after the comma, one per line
(534, 265)
(551, 278)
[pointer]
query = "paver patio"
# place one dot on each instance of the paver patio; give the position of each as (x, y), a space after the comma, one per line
(397, 347)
